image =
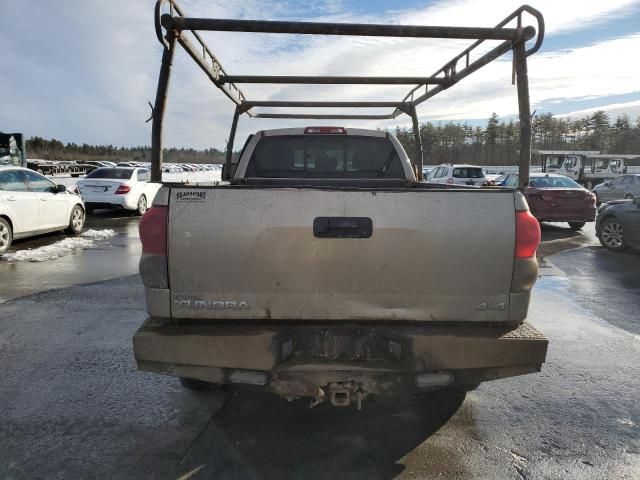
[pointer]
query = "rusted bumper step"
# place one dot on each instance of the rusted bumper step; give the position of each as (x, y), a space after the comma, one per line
(297, 360)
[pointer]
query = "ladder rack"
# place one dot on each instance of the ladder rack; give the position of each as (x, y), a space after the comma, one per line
(172, 25)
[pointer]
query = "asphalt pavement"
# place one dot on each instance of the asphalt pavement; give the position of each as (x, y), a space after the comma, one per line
(74, 406)
(116, 257)
(597, 276)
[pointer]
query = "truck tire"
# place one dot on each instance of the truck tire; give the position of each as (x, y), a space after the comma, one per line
(6, 236)
(611, 235)
(198, 385)
(76, 221)
(575, 226)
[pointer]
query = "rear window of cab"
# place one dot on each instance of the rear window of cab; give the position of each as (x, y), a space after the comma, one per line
(326, 156)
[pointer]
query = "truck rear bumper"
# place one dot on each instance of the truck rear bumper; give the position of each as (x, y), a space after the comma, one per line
(339, 361)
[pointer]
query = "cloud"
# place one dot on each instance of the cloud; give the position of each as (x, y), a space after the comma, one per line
(75, 70)
(632, 109)
(572, 74)
(566, 74)
(84, 71)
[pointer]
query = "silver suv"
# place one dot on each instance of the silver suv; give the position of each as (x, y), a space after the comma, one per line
(458, 175)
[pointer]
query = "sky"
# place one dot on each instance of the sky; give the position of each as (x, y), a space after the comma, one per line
(83, 70)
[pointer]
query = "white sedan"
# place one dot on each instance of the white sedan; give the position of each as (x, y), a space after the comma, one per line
(31, 204)
(118, 187)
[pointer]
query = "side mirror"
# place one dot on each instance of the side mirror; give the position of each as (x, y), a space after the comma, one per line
(60, 188)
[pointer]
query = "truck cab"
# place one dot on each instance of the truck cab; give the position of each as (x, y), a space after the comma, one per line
(588, 168)
(569, 163)
(606, 167)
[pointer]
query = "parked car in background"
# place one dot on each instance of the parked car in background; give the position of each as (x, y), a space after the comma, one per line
(81, 168)
(31, 204)
(556, 198)
(458, 175)
(500, 180)
(118, 187)
(624, 186)
(618, 224)
(100, 163)
(493, 179)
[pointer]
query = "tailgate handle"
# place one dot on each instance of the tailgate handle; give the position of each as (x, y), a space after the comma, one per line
(342, 227)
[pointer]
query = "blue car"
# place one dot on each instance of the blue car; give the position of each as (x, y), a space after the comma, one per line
(618, 224)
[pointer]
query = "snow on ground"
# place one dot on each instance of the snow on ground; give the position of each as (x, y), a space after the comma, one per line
(62, 248)
(98, 234)
(91, 238)
(193, 177)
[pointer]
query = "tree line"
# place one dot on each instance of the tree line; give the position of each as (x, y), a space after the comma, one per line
(38, 147)
(499, 141)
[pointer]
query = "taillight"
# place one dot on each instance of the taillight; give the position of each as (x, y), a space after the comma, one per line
(153, 230)
(122, 189)
(325, 130)
(527, 234)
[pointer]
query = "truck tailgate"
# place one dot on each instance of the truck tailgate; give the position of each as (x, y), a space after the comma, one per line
(251, 253)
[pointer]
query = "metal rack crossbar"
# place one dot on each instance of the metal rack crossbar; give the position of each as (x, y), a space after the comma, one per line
(171, 26)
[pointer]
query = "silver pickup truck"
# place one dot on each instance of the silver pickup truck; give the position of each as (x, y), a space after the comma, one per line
(326, 270)
(322, 266)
